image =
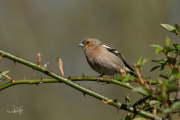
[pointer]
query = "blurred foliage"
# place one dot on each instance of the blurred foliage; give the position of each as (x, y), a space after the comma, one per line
(169, 83)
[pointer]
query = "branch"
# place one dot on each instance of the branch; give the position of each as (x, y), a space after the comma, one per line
(149, 81)
(74, 85)
(37, 81)
(141, 100)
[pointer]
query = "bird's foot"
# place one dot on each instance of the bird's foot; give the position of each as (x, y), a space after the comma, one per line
(112, 77)
(98, 78)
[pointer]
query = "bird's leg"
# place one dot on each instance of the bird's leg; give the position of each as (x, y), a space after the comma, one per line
(99, 77)
(112, 77)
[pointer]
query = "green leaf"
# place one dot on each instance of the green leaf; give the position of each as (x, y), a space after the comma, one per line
(126, 75)
(127, 100)
(178, 47)
(175, 51)
(153, 102)
(155, 46)
(144, 61)
(139, 119)
(174, 78)
(167, 42)
(142, 90)
(166, 111)
(158, 50)
(177, 26)
(147, 77)
(126, 79)
(165, 75)
(154, 68)
(140, 61)
(168, 49)
(159, 60)
(168, 27)
(176, 106)
(132, 78)
(4, 73)
(175, 71)
(162, 67)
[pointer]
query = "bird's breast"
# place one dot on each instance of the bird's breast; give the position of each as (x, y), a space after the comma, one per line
(103, 61)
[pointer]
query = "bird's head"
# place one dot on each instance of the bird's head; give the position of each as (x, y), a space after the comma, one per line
(89, 43)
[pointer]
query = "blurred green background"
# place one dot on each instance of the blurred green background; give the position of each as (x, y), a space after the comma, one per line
(55, 27)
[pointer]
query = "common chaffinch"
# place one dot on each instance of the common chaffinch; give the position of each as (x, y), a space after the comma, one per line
(103, 58)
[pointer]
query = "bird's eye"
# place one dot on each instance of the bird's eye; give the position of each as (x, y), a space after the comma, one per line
(88, 42)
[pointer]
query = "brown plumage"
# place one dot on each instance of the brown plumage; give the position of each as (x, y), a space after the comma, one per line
(103, 58)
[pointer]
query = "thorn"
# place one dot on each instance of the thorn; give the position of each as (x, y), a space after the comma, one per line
(24, 77)
(69, 77)
(46, 71)
(97, 81)
(45, 65)
(60, 64)
(117, 109)
(150, 77)
(77, 78)
(34, 72)
(83, 75)
(80, 84)
(14, 62)
(60, 83)
(115, 100)
(36, 84)
(0, 58)
(39, 58)
(41, 81)
(84, 94)
(90, 88)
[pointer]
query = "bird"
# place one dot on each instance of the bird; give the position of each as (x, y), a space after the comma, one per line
(103, 58)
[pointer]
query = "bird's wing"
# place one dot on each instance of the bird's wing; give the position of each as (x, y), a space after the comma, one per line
(114, 51)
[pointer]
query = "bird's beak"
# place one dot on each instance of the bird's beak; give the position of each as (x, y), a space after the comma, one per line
(80, 45)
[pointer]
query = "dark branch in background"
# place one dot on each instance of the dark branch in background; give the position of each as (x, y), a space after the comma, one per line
(141, 100)
(70, 83)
